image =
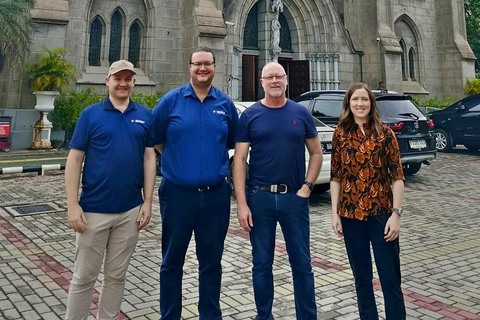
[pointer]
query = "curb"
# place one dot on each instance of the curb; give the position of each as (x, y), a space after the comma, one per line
(39, 169)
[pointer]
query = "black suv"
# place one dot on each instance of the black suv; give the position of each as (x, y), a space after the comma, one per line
(414, 131)
(458, 124)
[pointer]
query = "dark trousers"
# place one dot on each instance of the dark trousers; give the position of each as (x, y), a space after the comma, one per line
(358, 236)
(291, 212)
(207, 214)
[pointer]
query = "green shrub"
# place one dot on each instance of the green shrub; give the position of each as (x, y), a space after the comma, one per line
(69, 106)
(472, 87)
(147, 100)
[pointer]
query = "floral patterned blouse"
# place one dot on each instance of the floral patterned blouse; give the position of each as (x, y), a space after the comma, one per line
(366, 167)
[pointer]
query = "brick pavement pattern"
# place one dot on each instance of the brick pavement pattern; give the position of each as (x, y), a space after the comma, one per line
(440, 254)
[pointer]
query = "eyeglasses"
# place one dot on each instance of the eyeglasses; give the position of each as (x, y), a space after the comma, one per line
(200, 64)
(272, 78)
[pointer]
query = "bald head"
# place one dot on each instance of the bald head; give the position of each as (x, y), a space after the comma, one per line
(272, 68)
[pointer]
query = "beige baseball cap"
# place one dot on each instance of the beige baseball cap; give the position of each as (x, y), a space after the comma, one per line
(121, 65)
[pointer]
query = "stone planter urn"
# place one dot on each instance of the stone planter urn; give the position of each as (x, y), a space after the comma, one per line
(43, 127)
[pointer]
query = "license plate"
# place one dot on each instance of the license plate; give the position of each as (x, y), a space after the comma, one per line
(327, 147)
(417, 144)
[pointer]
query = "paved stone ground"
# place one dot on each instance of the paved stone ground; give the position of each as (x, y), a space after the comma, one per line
(440, 254)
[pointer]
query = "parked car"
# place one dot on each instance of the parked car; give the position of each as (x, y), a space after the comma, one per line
(458, 124)
(325, 134)
(414, 130)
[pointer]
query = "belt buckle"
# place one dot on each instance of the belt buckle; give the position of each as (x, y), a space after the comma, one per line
(274, 188)
(203, 189)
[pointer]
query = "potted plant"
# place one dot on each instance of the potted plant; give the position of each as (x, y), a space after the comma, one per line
(50, 75)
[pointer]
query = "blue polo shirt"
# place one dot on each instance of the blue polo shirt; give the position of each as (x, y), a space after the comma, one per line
(195, 136)
(277, 140)
(114, 145)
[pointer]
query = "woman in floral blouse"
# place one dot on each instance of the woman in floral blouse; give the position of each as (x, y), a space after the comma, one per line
(367, 190)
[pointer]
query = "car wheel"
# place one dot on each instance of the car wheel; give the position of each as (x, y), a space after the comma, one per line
(443, 142)
(411, 168)
(321, 188)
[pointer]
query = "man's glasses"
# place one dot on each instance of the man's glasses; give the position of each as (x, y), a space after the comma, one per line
(200, 64)
(272, 78)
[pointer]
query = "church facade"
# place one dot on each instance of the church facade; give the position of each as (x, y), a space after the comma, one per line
(417, 47)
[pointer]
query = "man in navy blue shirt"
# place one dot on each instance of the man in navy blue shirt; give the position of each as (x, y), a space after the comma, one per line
(114, 138)
(194, 126)
(277, 130)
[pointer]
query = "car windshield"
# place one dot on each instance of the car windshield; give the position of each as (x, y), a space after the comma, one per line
(327, 108)
(399, 108)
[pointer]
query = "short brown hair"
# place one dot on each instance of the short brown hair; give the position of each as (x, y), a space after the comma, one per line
(202, 49)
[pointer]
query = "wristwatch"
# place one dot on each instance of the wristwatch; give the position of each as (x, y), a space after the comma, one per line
(398, 211)
(309, 185)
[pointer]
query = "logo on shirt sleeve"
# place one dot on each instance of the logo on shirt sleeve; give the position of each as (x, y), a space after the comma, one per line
(138, 121)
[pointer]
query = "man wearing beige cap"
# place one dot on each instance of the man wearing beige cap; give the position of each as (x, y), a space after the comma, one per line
(113, 138)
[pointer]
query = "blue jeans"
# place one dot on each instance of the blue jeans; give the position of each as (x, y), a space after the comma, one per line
(207, 214)
(291, 211)
(358, 236)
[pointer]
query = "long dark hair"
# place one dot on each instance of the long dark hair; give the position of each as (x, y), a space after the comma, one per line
(346, 120)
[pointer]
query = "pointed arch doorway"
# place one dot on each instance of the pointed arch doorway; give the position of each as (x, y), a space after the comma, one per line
(256, 41)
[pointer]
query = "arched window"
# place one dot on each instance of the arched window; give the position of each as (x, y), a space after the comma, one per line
(134, 46)
(95, 45)
(285, 37)
(404, 67)
(250, 35)
(411, 63)
(115, 37)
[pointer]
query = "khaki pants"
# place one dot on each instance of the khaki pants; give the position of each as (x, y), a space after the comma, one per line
(111, 239)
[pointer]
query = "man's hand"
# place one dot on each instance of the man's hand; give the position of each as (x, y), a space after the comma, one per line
(245, 217)
(392, 228)
(76, 218)
(144, 214)
(304, 191)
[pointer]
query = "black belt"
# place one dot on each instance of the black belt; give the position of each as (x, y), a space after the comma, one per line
(275, 188)
(208, 188)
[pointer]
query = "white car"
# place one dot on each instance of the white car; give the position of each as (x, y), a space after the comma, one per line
(325, 134)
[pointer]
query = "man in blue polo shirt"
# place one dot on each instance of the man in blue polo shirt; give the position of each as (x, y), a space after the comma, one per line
(114, 138)
(194, 126)
(277, 130)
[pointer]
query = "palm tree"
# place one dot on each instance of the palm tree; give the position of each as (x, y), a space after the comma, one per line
(16, 26)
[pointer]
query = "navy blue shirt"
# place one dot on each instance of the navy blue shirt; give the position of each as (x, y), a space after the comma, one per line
(114, 145)
(195, 136)
(277, 141)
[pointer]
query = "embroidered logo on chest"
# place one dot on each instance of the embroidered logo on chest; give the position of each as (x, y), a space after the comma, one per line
(137, 121)
(223, 113)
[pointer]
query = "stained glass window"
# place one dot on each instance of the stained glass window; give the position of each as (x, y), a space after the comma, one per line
(285, 37)
(404, 67)
(250, 35)
(95, 45)
(134, 46)
(115, 37)
(411, 63)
